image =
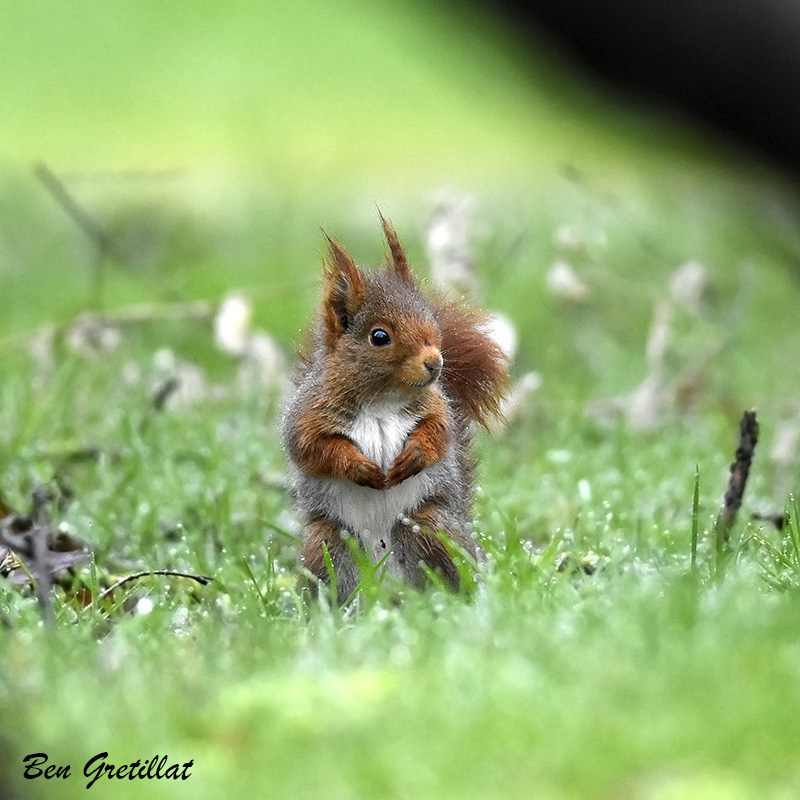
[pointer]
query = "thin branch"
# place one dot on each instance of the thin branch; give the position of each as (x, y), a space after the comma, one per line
(740, 469)
(78, 215)
(140, 314)
(204, 580)
(105, 245)
(44, 583)
(31, 548)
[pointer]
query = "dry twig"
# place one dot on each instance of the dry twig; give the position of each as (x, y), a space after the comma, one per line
(93, 231)
(203, 580)
(740, 468)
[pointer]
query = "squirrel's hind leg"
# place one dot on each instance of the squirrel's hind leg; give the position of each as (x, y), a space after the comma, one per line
(322, 531)
(417, 541)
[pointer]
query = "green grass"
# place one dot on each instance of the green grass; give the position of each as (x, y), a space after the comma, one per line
(650, 678)
(666, 669)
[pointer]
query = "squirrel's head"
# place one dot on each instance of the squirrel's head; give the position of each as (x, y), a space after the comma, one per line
(381, 332)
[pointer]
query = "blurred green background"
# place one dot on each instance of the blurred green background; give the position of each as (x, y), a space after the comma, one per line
(208, 145)
(154, 154)
(305, 95)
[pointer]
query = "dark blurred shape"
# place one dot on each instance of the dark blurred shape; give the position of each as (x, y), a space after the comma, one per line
(734, 64)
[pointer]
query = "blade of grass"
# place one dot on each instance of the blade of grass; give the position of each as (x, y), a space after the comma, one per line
(695, 514)
(334, 591)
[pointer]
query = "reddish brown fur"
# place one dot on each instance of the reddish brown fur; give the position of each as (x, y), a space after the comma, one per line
(399, 260)
(343, 374)
(344, 291)
(475, 374)
(425, 546)
(427, 444)
(322, 452)
(330, 455)
(321, 534)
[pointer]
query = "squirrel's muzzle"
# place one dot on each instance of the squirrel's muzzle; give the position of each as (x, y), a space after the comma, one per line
(422, 368)
(433, 366)
(434, 370)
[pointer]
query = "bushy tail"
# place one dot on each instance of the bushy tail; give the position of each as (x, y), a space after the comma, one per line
(475, 373)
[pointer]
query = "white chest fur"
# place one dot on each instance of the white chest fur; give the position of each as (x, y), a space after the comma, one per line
(380, 432)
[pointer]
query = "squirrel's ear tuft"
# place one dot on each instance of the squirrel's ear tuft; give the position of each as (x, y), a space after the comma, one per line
(399, 260)
(344, 290)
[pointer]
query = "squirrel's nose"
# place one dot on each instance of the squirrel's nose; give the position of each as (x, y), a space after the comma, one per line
(434, 367)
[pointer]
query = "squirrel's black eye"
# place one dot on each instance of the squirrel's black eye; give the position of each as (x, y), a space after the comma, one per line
(379, 338)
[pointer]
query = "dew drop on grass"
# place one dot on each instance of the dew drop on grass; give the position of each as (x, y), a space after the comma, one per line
(145, 605)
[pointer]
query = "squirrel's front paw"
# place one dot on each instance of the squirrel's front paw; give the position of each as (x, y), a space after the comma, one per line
(366, 473)
(410, 461)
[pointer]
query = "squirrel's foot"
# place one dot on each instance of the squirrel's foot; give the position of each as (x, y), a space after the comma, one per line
(367, 473)
(410, 462)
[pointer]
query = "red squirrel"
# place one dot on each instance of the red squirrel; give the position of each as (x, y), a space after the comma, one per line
(379, 424)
